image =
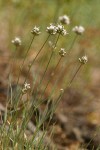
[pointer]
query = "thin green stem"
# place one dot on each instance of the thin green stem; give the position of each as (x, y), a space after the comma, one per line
(52, 74)
(75, 75)
(47, 64)
(68, 53)
(33, 62)
(56, 66)
(72, 44)
(49, 61)
(70, 80)
(24, 59)
(50, 80)
(9, 76)
(36, 57)
(23, 64)
(39, 86)
(46, 68)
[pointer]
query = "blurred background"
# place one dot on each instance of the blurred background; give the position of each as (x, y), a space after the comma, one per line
(78, 114)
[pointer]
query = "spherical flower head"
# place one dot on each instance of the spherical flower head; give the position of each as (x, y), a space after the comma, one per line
(78, 30)
(61, 30)
(16, 41)
(51, 29)
(25, 88)
(83, 60)
(62, 91)
(35, 31)
(62, 52)
(64, 19)
(27, 85)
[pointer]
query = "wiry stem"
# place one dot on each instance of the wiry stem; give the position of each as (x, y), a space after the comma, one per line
(58, 64)
(49, 61)
(51, 76)
(9, 76)
(71, 79)
(74, 75)
(68, 53)
(33, 62)
(46, 68)
(36, 57)
(13, 61)
(72, 44)
(25, 59)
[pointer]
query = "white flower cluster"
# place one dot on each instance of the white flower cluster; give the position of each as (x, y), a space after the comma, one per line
(61, 30)
(51, 29)
(26, 88)
(78, 30)
(16, 41)
(64, 19)
(83, 60)
(62, 52)
(35, 31)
